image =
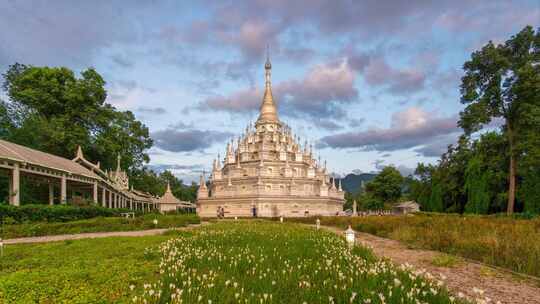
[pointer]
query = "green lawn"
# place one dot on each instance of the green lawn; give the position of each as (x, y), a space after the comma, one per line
(98, 224)
(80, 271)
(252, 261)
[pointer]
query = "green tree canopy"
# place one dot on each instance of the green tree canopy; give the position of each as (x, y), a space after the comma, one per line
(52, 110)
(386, 186)
(503, 81)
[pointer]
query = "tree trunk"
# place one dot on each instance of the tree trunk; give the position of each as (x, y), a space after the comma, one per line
(511, 174)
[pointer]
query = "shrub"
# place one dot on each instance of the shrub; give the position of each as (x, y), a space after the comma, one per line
(98, 224)
(56, 213)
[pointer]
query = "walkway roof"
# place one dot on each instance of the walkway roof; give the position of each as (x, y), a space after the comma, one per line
(23, 154)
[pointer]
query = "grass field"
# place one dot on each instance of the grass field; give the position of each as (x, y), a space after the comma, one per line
(226, 262)
(81, 271)
(98, 224)
(265, 262)
(495, 240)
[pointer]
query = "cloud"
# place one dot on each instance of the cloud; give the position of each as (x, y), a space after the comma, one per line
(356, 122)
(397, 81)
(174, 140)
(163, 167)
(410, 128)
(327, 125)
(149, 110)
(319, 94)
(187, 173)
(122, 61)
(437, 148)
(61, 33)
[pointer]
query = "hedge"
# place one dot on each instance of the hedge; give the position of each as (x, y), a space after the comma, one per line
(56, 213)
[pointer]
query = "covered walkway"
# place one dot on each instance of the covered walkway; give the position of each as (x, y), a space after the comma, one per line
(67, 177)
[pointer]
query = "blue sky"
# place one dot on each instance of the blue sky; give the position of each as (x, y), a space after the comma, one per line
(370, 83)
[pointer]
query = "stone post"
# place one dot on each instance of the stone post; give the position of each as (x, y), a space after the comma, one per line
(63, 190)
(15, 186)
(51, 193)
(103, 197)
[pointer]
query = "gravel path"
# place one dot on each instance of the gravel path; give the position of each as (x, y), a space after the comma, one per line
(472, 280)
(91, 235)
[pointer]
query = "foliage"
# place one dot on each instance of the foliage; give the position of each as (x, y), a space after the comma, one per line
(55, 213)
(264, 262)
(476, 178)
(435, 200)
(99, 224)
(501, 85)
(149, 181)
(366, 201)
(530, 192)
(52, 110)
(497, 240)
(503, 81)
(386, 186)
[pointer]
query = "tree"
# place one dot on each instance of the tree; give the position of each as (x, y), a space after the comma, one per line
(386, 186)
(420, 185)
(52, 110)
(149, 181)
(503, 82)
(478, 197)
(436, 198)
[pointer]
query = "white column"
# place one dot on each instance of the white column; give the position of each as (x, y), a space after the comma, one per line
(110, 199)
(95, 194)
(51, 193)
(103, 197)
(15, 195)
(63, 190)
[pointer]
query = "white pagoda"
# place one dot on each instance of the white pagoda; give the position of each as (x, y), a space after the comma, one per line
(268, 173)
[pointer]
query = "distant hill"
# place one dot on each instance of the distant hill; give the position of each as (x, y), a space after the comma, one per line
(351, 183)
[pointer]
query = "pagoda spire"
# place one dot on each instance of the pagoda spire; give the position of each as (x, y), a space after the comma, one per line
(118, 169)
(268, 111)
(202, 182)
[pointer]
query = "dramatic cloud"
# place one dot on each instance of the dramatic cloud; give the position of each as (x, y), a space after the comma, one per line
(175, 140)
(320, 94)
(410, 128)
(60, 33)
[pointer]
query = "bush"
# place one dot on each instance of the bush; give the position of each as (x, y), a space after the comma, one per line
(98, 224)
(56, 213)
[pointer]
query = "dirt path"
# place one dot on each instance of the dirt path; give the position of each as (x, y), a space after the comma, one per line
(471, 279)
(91, 235)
